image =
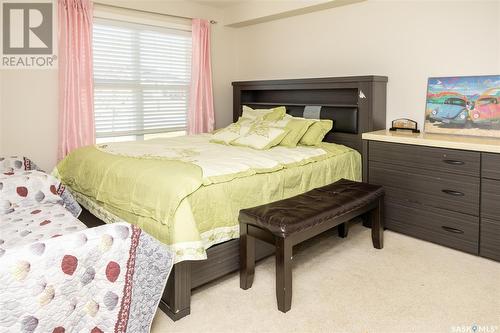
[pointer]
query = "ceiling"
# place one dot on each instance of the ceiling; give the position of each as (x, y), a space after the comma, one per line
(219, 3)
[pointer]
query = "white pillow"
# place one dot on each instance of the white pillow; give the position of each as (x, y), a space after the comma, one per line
(262, 135)
(263, 114)
(232, 132)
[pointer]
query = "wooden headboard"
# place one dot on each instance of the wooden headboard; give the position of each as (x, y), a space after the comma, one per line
(356, 104)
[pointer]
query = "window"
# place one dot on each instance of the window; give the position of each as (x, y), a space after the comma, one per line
(141, 80)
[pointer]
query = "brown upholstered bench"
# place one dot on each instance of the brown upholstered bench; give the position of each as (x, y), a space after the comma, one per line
(291, 221)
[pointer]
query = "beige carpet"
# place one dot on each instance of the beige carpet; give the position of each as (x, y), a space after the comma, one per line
(345, 285)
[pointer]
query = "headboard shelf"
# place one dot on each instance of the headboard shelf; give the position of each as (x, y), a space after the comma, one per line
(356, 104)
(302, 104)
(306, 96)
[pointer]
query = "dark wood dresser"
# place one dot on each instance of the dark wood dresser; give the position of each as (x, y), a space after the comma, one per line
(439, 188)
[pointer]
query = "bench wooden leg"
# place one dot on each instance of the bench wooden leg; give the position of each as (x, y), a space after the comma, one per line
(343, 229)
(376, 219)
(283, 274)
(247, 258)
(365, 218)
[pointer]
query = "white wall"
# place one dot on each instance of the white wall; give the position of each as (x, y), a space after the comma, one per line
(223, 72)
(29, 115)
(406, 40)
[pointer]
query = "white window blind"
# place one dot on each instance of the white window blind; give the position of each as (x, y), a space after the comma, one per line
(141, 78)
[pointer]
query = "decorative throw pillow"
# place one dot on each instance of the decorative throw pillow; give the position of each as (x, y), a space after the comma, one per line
(232, 132)
(262, 135)
(263, 114)
(14, 164)
(296, 127)
(316, 132)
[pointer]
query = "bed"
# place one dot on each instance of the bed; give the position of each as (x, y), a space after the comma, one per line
(195, 211)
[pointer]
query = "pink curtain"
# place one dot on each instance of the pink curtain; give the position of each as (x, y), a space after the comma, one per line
(201, 104)
(76, 88)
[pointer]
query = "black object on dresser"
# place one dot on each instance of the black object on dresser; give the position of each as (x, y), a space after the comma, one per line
(447, 196)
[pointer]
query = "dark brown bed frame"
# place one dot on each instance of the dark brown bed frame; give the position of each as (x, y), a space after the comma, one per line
(356, 105)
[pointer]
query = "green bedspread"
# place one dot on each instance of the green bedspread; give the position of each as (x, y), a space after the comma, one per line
(151, 188)
(167, 198)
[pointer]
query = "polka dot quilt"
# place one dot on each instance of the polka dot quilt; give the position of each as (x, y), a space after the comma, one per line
(58, 276)
(33, 205)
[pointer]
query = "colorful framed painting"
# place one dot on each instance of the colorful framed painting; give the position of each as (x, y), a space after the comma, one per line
(463, 105)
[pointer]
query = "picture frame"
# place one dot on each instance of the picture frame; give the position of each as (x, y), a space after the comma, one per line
(463, 105)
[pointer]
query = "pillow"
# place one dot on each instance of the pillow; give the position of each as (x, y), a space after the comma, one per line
(232, 132)
(316, 132)
(264, 114)
(262, 135)
(14, 164)
(296, 127)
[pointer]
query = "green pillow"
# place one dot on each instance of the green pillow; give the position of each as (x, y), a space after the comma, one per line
(262, 135)
(316, 132)
(263, 114)
(297, 127)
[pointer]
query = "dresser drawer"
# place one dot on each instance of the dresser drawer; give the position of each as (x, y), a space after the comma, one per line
(429, 158)
(491, 166)
(490, 199)
(436, 189)
(490, 239)
(455, 230)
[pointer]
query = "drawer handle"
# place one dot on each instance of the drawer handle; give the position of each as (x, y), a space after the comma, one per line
(454, 193)
(453, 230)
(454, 162)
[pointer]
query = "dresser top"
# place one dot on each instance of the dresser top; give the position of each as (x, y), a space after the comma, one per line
(491, 145)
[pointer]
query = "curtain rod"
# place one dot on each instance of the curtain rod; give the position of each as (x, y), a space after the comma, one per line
(148, 11)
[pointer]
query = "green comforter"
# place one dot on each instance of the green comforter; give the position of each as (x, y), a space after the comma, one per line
(166, 197)
(151, 188)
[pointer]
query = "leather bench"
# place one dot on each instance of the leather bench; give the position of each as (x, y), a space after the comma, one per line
(291, 221)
